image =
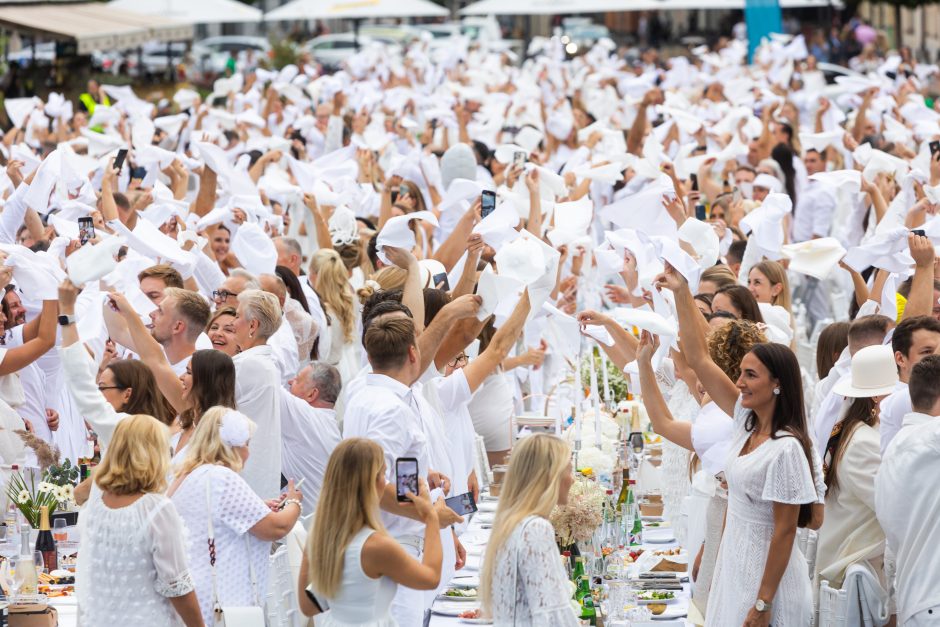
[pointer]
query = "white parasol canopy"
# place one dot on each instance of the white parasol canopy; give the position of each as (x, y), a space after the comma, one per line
(193, 12)
(553, 7)
(354, 9)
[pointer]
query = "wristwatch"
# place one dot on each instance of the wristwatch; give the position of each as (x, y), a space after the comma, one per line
(66, 320)
(762, 606)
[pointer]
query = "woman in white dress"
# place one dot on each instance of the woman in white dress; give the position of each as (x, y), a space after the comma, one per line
(243, 525)
(523, 581)
(760, 575)
(132, 568)
(350, 561)
(330, 279)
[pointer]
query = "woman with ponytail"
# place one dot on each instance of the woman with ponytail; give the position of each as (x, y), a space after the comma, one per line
(330, 279)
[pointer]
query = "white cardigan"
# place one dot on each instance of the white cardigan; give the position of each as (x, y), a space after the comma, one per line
(80, 371)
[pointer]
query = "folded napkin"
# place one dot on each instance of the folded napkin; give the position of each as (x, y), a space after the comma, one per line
(397, 233)
(816, 257)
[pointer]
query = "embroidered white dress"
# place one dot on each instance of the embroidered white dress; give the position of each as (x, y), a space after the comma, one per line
(530, 587)
(777, 471)
(133, 560)
(236, 509)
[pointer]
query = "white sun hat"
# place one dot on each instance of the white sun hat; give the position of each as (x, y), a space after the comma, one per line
(874, 373)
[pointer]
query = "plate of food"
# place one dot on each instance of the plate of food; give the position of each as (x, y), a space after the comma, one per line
(450, 608)
(656, 597)
(668, 613)
(458, 594)
(472, 617)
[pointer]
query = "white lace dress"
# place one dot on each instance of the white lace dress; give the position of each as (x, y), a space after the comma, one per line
(236, 509)
(777, 471)
(529, 583)
(133, 560)
(675, 468)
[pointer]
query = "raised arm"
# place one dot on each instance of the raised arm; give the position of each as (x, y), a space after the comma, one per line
(504, 338)
(920, 300)
(679, 433)
(205, 197)
(534, 223)
(625, 345)
(17, 358)
(151, 353)
(716, 383)
(449, 252)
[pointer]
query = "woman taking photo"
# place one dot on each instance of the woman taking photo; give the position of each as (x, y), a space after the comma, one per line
(207, 484)
(760, 575)
(124, 386)
(522, 581)
(132, 534)
(350, 560)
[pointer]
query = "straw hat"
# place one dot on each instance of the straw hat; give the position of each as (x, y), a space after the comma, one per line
(874, 373)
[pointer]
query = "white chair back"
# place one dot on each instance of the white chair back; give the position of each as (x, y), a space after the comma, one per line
(833, 606)
(281, 605)
(806, 542)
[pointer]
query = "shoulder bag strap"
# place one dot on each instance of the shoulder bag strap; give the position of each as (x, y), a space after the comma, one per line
(217, 607)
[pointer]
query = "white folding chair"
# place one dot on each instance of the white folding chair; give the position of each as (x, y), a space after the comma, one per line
(806, 541)
(833, 606)
(281, 599)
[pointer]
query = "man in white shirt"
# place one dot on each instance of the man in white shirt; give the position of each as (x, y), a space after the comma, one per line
(386, 411)
(290, 255)
(914, 339)
(309, 432)
(907, 503)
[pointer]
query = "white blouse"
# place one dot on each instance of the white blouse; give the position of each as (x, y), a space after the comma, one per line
(236, 509)
(530, 584)
(80, 372)
(133, 560)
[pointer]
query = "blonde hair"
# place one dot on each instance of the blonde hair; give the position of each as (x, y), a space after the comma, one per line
(777, 275)
(207, 447)
(531, 488)
(333, 288)
(263, 308)
(388, 279)
(138, 457)
(348, 502)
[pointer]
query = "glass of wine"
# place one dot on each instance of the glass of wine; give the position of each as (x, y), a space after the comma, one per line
(37, 560)
(60, 530)
(9, 574)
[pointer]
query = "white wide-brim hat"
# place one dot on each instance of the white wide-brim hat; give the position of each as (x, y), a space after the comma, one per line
(874, 373)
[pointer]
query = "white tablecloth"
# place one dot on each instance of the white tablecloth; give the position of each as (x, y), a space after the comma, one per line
(475, 539)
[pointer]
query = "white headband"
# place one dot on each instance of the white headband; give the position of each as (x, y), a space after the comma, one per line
(235, 429)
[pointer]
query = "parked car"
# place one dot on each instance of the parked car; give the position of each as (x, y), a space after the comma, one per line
(331, 50)
(212, 54)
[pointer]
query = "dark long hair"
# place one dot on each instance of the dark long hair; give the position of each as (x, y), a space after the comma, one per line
(789, 413)
(145, 395)
(783, 155)
(213, 384)
(860, 411)
(743, 300)
(292, 283)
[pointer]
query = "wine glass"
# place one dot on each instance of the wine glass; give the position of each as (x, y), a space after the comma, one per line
(59, 530)
(37, 560)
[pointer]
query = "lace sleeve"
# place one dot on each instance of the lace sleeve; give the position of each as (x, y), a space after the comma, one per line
(542, 580)
(169, 551)
(788, 479)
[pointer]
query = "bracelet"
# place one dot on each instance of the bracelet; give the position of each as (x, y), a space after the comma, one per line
(294, 501)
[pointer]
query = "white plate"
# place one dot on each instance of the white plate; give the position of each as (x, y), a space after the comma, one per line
(445, 598)
(664, 601)
(487, 506)
(476, 621)
(672, 613)
(465, 581)
(652, 518)
(659, 539)
(447, 608)
(486, 517)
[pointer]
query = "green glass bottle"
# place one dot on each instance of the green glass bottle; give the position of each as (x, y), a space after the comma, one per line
(624, 490)
(577, 575)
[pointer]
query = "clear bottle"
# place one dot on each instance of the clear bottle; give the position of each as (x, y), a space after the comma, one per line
(25, 565)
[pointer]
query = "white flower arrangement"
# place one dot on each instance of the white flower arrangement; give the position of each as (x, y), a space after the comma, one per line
(23, 496)
(45, 487)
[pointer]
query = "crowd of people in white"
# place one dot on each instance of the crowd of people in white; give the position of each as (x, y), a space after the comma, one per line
(300, 277)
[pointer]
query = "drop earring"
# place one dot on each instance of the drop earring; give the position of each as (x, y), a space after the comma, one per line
(776, 391)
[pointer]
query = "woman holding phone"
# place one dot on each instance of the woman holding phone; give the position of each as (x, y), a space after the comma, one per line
(350, 561)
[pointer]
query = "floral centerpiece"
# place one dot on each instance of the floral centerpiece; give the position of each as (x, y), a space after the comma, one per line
(579, 519)
(619, 386)
(54, 489)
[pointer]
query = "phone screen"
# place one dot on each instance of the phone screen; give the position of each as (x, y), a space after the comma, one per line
(462, 504)
(439, 281)
(487, 203)
(700, 213)
(406, 477)
(119, 159)
(86, 230)
(920, 232)
(934, 147)
(518, 159)
(694, 178)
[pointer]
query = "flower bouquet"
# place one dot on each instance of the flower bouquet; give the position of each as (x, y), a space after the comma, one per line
(579, 519)
(56, 488)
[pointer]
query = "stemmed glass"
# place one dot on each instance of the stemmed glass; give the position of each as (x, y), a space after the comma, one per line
(59, 530)
(9, 573)
(38, 561)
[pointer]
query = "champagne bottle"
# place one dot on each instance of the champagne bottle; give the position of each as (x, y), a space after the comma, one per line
(25, 567)
(624, 490)
(45, 543)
